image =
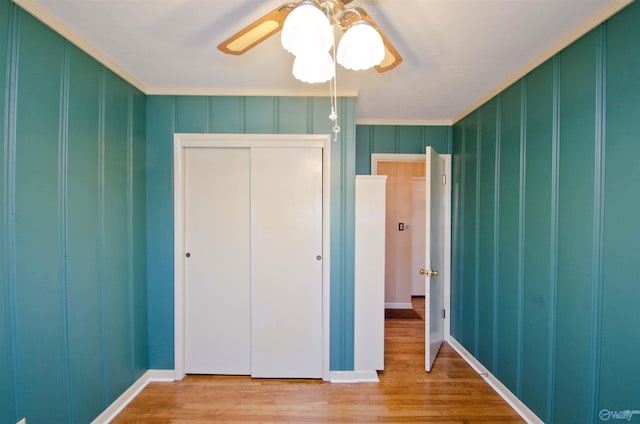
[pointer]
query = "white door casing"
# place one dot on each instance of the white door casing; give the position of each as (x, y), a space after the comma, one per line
(445, 272)
(182, 142)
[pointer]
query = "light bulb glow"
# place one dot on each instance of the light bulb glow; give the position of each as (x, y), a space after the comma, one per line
(313, 68)
(361, 47)
(306, 29)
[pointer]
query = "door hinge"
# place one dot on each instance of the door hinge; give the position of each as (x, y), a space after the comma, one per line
(444, 313)
(444, 180)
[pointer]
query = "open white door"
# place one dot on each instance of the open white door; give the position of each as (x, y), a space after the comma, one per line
(434, 255)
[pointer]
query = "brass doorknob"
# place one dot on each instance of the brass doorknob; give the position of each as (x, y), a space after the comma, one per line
(428, 272)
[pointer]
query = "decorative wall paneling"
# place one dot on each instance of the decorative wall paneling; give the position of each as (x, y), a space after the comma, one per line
(73, 280)
(546, 235)
(398, 139)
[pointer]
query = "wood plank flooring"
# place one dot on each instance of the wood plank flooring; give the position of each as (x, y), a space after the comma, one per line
(451, 393)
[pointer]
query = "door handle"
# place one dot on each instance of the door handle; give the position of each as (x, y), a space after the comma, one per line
(428, 272)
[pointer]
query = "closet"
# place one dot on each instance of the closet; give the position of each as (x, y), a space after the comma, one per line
(253, 263)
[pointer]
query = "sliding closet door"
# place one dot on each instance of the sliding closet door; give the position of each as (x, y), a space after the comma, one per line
(286, 266)
(217, 267)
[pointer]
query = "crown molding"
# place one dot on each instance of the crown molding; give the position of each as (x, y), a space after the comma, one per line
(183, 91)
(405, 122)
(595, 20)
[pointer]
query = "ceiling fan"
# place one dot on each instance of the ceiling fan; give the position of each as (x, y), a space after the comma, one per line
(336, 12)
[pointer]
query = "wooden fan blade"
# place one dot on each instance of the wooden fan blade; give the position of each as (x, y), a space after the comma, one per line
(391, 57)
(253, 34)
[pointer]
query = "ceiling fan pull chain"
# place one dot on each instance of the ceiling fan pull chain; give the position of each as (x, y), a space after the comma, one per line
(333, 86)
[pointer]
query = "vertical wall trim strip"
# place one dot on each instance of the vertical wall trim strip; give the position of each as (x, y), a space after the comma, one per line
(9, 201)
(521, 234)
(309, 115)
(63, 150)
(347, 232)
(496, 232)
(476, 319)
(276, 115)
(243, 115)
(343, 243)
(101, 231)
(396, 140)
(372, 131)
(208, 109)
(463, 167)
(175, 115)
(598, 220)
(130, 247)
(176, 109)
(553, 248)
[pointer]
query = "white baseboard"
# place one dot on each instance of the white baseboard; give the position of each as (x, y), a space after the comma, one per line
(353, 377)
(162, 375)
(119, 404)
(495, 384)
(398, 305)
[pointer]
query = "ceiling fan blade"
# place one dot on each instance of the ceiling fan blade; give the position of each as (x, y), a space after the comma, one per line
(391, 56)
(256, 32)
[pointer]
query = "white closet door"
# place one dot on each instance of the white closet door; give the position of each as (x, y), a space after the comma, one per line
(286, 267)
(217, 239)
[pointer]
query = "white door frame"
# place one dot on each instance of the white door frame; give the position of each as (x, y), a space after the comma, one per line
(408, 157)
(185, 141)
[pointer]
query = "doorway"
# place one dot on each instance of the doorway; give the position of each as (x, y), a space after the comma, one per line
(260, 153)
(445, 272)
(403, 178)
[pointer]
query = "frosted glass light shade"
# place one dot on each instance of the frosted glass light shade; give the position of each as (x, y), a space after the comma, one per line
(315, 67)
(306, 29)
(361, 47)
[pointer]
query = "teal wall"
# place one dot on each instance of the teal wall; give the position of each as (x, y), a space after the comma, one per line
(546, 235)
(398, 139)
(545, 228)
(73, 317)
(167, 115)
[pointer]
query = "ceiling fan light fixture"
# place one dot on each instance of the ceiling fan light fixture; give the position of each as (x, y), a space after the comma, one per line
(308, 32)
(313, 68)
(361, 47)
(307, 28)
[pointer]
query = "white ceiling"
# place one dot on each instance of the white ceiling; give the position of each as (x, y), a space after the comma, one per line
(456, 52)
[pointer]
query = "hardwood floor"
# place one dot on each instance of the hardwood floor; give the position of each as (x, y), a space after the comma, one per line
(451, 393)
